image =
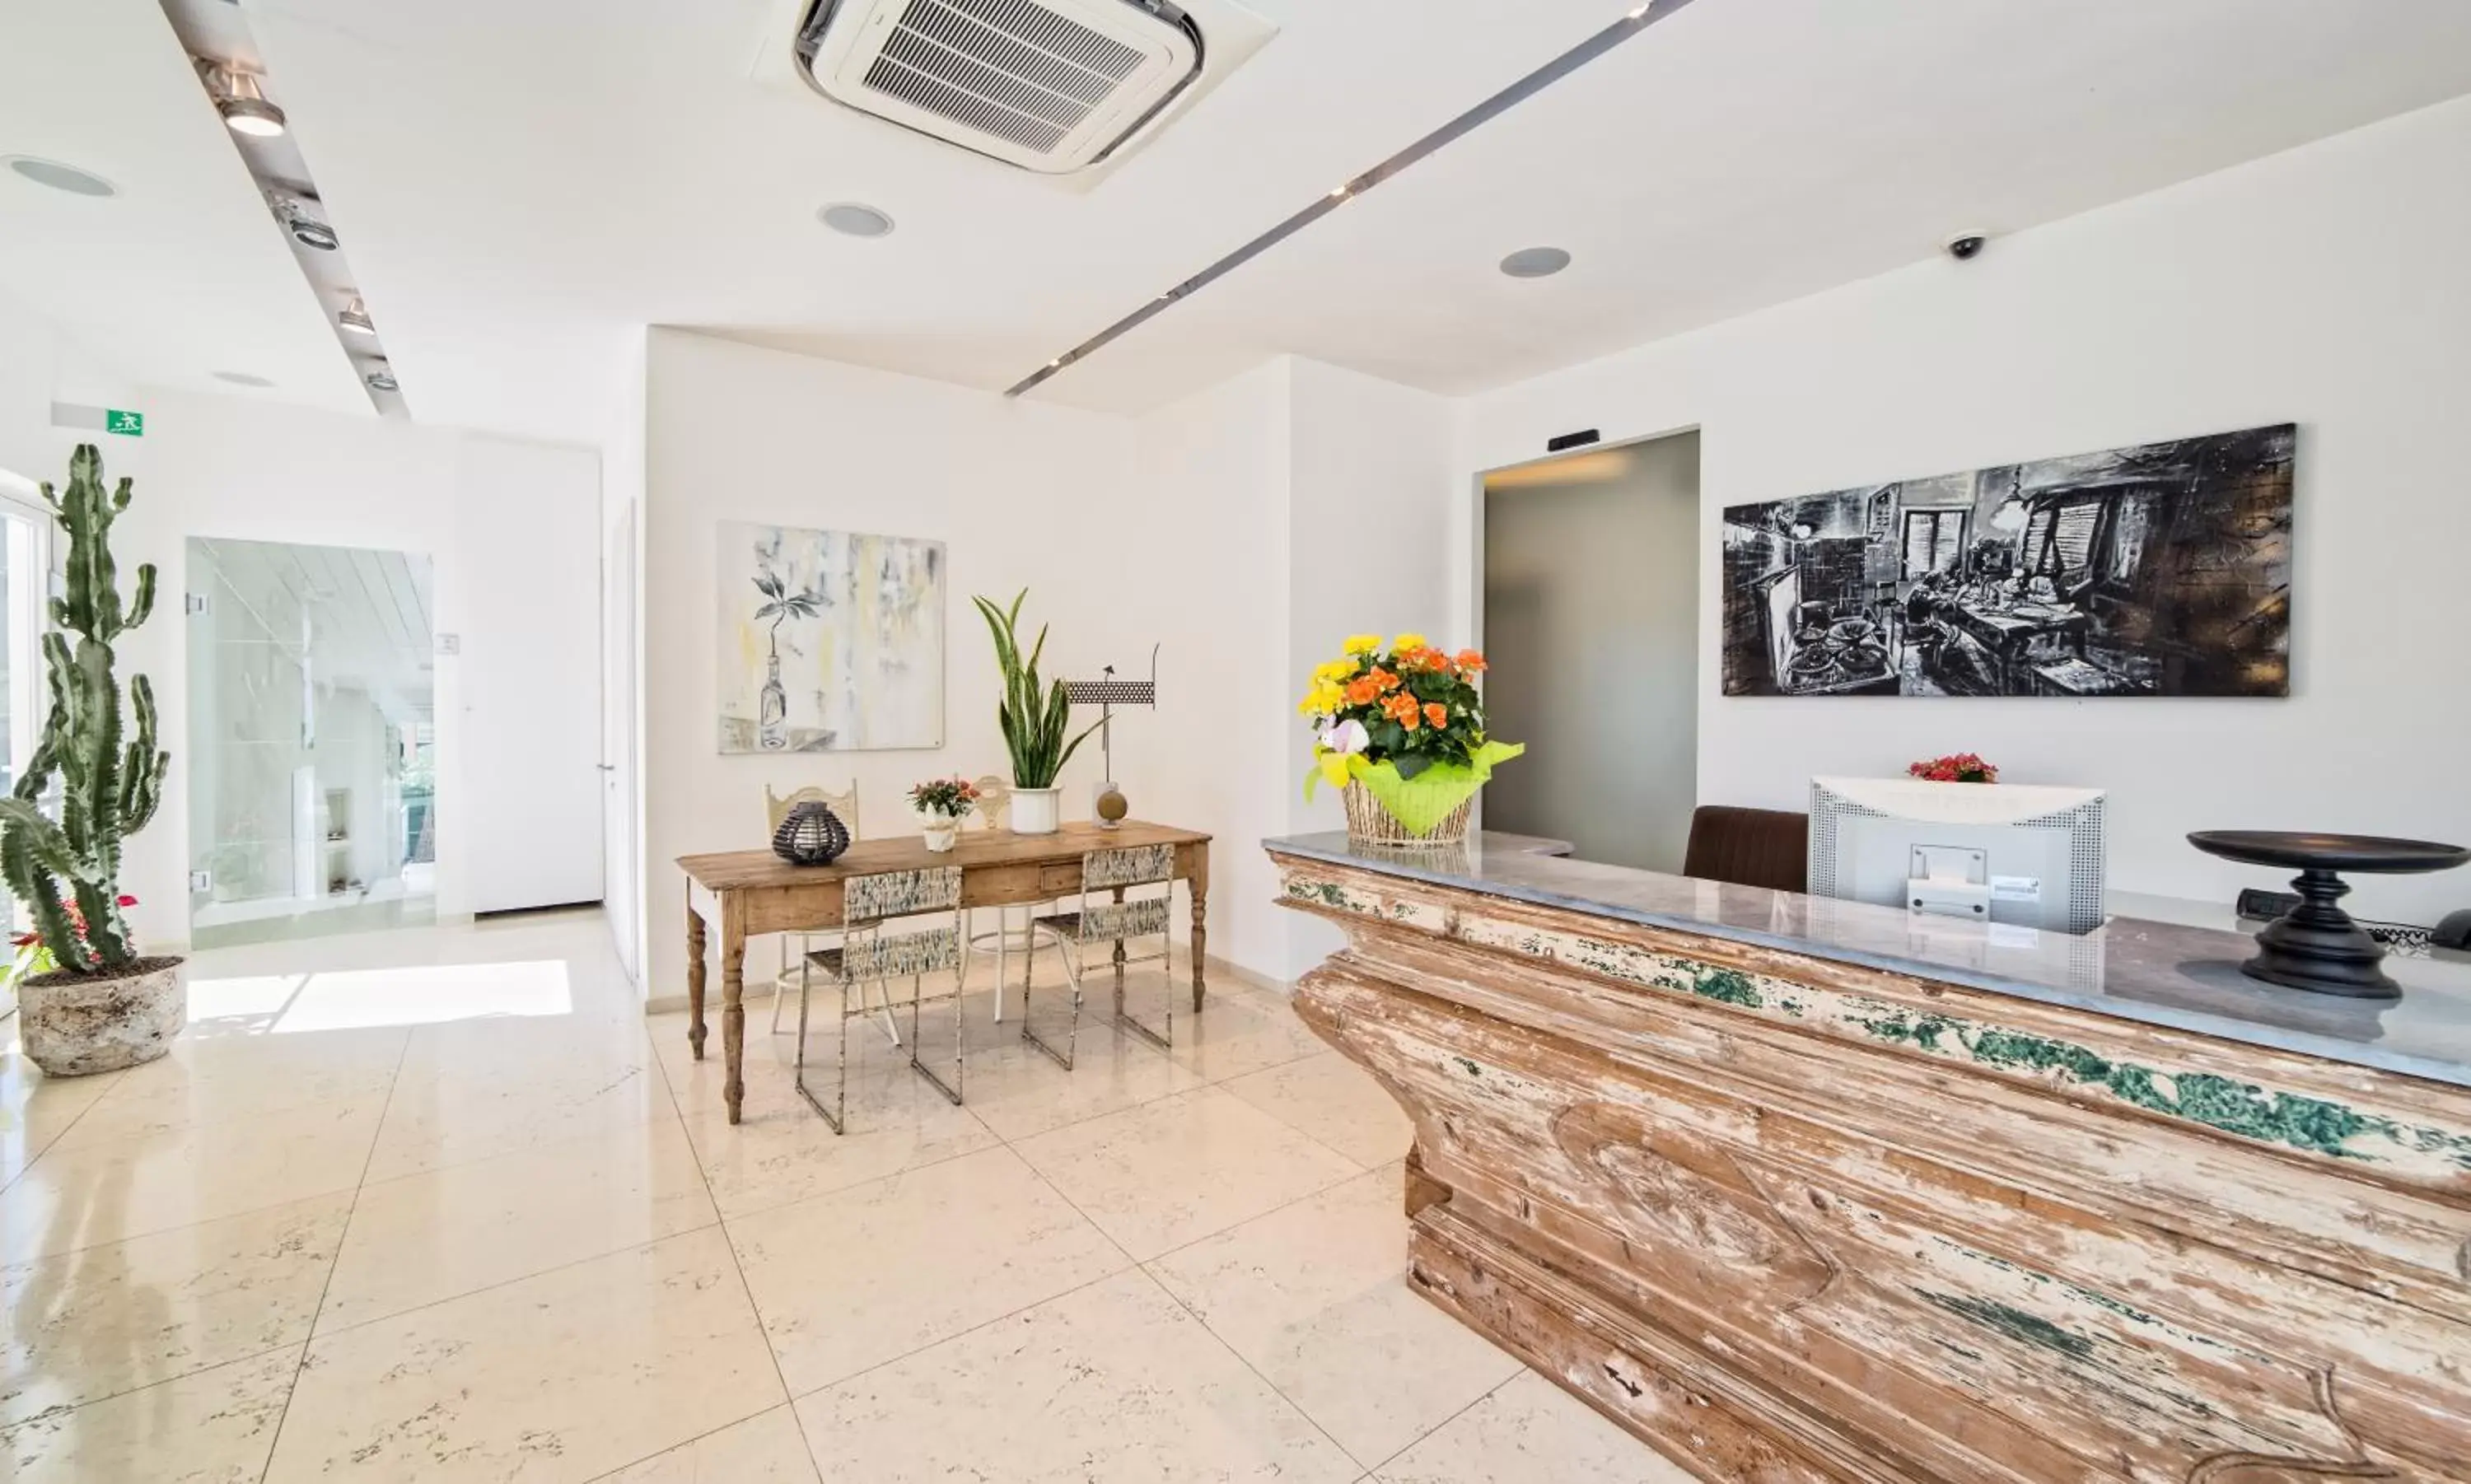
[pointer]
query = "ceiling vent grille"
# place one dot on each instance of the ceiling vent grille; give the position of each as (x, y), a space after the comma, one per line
(1051, 86)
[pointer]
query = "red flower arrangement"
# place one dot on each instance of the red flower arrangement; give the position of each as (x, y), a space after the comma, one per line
(33, 957)
(1955, 767)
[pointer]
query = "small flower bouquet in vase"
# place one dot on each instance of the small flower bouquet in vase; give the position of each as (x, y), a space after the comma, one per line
(1401, 730)
(1955, 767)
(941, 804)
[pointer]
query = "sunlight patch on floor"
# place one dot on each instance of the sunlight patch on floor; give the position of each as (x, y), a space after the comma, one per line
(359, 999)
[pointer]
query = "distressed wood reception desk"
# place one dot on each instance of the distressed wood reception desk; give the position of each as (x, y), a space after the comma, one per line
(1800, 1190)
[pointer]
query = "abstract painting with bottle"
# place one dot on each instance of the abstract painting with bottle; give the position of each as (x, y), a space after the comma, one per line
(2158, 570)
(829, 640)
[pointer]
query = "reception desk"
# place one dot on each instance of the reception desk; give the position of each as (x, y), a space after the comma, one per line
(1798, 1190)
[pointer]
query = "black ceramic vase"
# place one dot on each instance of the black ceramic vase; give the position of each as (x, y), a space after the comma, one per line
(811, 834)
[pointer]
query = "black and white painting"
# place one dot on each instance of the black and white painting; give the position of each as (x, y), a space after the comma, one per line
(2160, 570)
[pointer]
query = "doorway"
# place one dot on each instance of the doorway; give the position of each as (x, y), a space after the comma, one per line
(1591, 621)
(313, 741)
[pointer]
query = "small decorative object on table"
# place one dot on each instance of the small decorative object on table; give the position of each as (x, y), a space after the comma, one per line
(811, 834)
(86, 1002)
(1107, 801)
(1955, 767)
(942, 804)
(1401, 730)
(2316, 946)
(1035, 719)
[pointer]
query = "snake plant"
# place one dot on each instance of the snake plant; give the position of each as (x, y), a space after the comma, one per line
(1034, 717)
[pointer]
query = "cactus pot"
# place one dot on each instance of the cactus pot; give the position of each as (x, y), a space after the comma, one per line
(76, 1025)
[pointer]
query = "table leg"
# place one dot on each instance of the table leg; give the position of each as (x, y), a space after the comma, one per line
(733, 1013)
(694, 980)
(1199, 888)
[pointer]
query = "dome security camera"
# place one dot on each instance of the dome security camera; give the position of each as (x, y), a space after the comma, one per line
(1966, 246)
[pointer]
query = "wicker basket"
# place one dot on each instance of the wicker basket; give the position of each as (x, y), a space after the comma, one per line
(1368, 823)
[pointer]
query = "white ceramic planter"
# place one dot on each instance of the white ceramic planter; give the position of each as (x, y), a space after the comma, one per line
(75, 1025)
(1036, 810)
(943, 832)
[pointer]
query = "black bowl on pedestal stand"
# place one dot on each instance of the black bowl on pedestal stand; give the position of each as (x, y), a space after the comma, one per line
(2316, 946)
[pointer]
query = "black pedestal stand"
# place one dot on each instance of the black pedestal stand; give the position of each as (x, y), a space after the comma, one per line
(2316, 946)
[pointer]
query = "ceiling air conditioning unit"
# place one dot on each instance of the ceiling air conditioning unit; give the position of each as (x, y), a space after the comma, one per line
(1050, 85)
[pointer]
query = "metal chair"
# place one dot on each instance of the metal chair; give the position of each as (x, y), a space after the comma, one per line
(776, 807)
(867, 954)
(1113, 921)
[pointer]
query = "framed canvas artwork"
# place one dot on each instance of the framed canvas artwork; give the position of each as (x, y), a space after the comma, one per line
(829, 640)
(2158, 570)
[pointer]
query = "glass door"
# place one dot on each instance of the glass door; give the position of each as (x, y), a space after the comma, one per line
(312, 738)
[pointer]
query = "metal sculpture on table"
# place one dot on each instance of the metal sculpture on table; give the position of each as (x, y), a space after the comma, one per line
(1108, 805)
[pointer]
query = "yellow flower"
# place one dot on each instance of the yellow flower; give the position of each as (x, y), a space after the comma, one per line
(1408, 642)
(1362, 644)
(1321, 701)
(1335, 669)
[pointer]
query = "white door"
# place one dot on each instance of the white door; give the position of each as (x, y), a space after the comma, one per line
(617, 737)
(530, 769)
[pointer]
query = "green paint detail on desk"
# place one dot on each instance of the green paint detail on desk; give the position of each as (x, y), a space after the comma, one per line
(2014, 1323)
(1471, 1069)
(2242, 1108)
(1729, 986)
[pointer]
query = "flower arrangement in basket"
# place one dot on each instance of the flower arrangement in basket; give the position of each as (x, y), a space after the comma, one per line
(1955, 767)
(941, 804)
(1401, 730)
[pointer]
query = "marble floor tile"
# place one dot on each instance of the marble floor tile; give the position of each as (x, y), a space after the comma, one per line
(1240, 1034)
(238, 1079)
(1019, 1091)
(563, 1375)
(1332, 1102)
(1315, 1297)
(1171, 1172)
(783, 1152)
(432, 1124)
(424, 1238)
(1529, 1431)
(80, 1325)
(122, 1188)
(851, 1279)
(36, 1109)
(766, 1448)
(1111, 1383)
(512, 1051)
(211, 1426)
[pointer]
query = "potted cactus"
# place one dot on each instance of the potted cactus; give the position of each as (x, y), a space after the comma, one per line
(100, 1006)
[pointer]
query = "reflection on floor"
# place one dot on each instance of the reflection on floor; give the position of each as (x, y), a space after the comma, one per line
(441, 1205)
(276, 922)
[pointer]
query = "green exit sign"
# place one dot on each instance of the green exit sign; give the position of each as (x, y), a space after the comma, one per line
(131, 425)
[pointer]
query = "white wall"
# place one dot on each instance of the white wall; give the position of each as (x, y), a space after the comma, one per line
(2325, 286)
(248, 470)
(1023, 495)
(622, 667)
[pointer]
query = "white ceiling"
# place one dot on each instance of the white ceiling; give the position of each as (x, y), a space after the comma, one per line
(185, 272)
(518, 184)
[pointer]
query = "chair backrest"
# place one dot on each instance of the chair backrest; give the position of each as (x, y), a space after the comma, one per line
(1749, 847)
(1109, 871)
(866, 900)
(844, 806)
(995, 801)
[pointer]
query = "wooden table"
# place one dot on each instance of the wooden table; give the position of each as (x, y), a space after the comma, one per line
(752, 893)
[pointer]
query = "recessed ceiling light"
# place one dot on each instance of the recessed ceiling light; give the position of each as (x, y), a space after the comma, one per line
(61, 178)
(242, 379)
(1536, 262)
(851, 219)
(355, 318)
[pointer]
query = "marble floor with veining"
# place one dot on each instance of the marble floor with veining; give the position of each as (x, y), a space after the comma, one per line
(441, 1204)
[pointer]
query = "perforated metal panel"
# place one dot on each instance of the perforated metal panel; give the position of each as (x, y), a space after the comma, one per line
(2084, 823)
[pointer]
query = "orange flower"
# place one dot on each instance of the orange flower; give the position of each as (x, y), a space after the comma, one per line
(1362, 690)
(1471, 660)
(1437, 713)
(1401, 709)
(1383, 680)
